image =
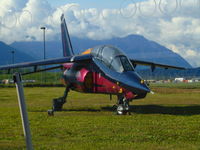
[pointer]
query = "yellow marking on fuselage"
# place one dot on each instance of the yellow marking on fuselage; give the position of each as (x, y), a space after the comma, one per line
(88, 51)
(120, 90)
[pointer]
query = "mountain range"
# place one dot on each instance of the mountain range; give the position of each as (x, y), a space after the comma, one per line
(6, 56)
(135, 46)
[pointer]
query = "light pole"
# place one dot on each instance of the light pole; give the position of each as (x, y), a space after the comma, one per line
(43, 28)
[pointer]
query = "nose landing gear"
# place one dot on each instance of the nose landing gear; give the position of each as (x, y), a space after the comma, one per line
(123, 106)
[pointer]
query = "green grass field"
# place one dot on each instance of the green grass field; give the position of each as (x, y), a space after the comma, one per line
(169, 119)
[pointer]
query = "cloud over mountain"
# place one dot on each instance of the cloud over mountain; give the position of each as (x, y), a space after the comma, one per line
(172, 23)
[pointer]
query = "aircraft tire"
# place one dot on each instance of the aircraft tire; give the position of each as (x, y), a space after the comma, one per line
(121, 110)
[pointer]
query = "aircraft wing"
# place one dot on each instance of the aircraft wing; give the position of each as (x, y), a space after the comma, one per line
(78, 58)
(154, 65)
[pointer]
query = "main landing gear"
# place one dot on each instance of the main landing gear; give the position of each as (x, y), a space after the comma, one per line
(122, 106)
(59, 102)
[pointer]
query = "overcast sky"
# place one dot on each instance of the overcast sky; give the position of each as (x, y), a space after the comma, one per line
(101, 4)
(172, 23)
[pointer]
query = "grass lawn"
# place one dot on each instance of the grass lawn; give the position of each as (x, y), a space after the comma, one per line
(169, 119)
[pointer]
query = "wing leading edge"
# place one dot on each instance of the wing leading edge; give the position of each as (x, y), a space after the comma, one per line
(154, 65)
(78, 58)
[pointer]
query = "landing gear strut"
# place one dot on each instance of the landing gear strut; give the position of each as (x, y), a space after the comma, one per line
(122, 106)
(59, 102)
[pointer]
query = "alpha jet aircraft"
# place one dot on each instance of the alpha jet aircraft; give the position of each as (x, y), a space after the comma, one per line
(103, 69)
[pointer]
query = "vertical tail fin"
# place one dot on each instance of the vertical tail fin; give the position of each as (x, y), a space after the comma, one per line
(66, 42)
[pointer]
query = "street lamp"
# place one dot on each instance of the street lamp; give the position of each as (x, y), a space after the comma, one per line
(43, 28)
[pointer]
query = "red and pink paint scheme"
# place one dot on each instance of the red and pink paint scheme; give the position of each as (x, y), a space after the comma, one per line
(94, 82)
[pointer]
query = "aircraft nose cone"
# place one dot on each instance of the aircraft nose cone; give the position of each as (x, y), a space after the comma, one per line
(144, 87)
(134, 82)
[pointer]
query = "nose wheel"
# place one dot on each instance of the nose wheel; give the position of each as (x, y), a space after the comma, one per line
(123, 106)
(50, 112)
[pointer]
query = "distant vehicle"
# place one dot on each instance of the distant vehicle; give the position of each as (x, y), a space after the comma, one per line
(7, 81)
(179, 79)
(103, 69)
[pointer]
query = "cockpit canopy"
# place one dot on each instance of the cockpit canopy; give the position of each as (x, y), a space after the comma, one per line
(113, 58)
